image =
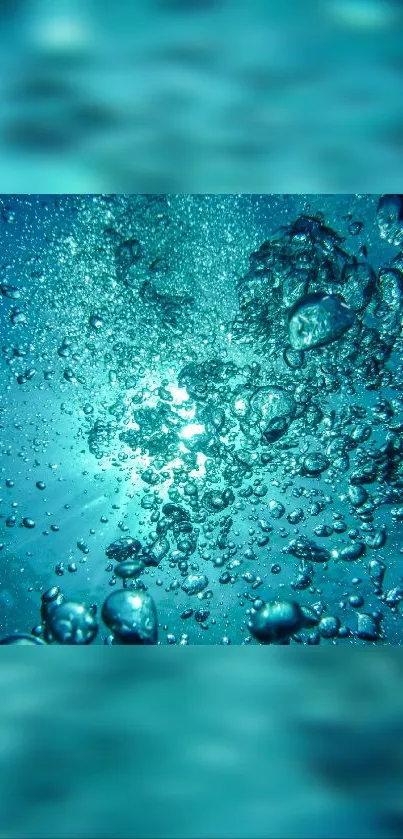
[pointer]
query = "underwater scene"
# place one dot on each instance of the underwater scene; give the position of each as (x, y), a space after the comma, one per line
(201, 96)
(201, 419)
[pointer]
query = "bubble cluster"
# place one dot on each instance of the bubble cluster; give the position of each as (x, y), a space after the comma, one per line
(215, 431)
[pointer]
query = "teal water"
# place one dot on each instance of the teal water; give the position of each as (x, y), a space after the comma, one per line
(173, 374)
(201, 96)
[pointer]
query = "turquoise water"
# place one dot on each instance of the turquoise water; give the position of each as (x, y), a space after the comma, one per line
(166, 96)
(173, 372)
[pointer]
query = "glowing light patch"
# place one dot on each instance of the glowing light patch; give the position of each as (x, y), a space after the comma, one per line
(176, 463)
(132, 425)
(191, 430)
(186, 413)
(179, 394)
(136, 602)
(362, 14)
(62, 33)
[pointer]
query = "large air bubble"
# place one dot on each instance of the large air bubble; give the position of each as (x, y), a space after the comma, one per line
(131, 616)
(274, 409)
(318, 319)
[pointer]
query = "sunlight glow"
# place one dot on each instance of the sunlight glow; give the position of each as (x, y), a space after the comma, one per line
(176, 463)
(62, 33)
(359, 14)
(240, 405)
(191, 430)
(179, 394)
